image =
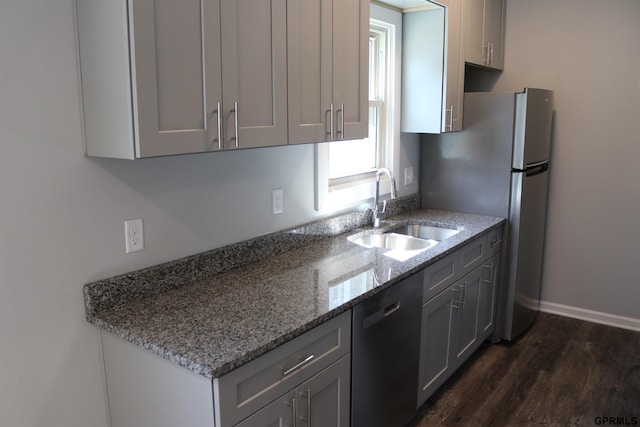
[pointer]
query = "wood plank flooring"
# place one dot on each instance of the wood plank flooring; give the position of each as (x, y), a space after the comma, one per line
(563, 372)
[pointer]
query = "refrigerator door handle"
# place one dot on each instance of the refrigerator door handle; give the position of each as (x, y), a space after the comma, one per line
(537, 164)
(536, 168)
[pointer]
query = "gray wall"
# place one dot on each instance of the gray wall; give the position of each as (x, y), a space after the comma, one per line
(587, 52)
(62, 217)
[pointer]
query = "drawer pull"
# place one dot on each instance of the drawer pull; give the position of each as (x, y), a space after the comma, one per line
(298, 365)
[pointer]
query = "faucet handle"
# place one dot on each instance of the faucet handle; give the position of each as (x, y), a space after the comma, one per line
(384, 207)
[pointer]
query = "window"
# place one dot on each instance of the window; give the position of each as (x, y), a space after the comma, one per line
(345, 170)
(353, 161)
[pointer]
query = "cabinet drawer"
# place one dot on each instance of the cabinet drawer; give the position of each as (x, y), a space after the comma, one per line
(494, 241)
(439, 275)
(245, 390)
(472, 254)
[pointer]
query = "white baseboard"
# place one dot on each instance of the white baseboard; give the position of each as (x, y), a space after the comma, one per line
(591, 316)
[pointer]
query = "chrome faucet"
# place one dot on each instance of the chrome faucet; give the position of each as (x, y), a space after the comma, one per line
(378, 211)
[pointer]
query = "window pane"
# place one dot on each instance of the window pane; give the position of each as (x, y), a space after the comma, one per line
(357, 156)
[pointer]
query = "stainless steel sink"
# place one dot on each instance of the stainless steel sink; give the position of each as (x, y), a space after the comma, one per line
(430, 232)
(392, 241)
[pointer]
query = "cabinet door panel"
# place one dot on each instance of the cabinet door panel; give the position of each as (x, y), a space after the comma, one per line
(454, 86)
(473, 11)
(465, 317)
(276, 414)
(487, 297)
(350, 68)
(324, 399)
(254, 72)
(309, 44)
(435, 344)
(170, 79)
(493, 32)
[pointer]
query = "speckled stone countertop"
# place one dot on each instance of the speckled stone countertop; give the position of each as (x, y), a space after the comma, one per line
(219, 310)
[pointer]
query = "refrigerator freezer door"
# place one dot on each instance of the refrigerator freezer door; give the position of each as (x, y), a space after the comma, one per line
(527, 219)
(532, 134)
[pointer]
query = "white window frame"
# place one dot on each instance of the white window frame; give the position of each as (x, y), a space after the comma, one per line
(346, 192)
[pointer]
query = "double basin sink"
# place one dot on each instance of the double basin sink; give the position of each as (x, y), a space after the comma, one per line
(410, 238)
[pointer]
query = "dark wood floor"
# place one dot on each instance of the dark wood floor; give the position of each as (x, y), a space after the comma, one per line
(562, 372)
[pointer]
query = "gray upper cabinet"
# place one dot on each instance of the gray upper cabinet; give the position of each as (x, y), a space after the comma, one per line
(484, 33)
(328, 69)
(433, 68)
(161, 77)
(254, 73)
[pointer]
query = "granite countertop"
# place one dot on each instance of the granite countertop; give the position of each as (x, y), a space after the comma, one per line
(214, 312)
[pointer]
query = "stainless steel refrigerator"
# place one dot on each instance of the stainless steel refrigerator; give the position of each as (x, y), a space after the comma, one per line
(499, 165)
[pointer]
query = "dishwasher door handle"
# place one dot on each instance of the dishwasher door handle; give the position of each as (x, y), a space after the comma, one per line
(380, 315)
(391, 309)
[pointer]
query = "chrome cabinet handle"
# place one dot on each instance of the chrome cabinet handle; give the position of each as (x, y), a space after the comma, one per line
(490, 53)
(294, 411)
(328, 132)
(463, 289)
(331, 123)
(308, 408)
(450, 112)
(456, 301)
(491, 268)
(298, 365)
(235, 117)
(341, 131)
(218, 113)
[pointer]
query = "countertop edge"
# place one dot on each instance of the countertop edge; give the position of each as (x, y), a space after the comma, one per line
(219, 368)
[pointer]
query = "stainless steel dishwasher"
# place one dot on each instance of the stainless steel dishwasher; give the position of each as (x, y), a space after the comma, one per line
(386, 335)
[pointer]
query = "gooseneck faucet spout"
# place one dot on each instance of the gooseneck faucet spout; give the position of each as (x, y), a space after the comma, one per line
(379, 211)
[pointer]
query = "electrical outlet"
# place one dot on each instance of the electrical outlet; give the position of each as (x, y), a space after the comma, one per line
(134, 235)
(408, 176)
(277, 201)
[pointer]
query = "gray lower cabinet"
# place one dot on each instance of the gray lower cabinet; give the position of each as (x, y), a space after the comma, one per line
(465, 316)
(435, 348)
(322, 400)
(305, 381)
(487, 297)
(307, 378)
(458, 311)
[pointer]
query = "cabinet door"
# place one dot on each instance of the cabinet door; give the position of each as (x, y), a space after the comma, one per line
(254, 72)
(351, 68)
(279, 413)
(175, 52)
(493, 32)
(309, 51)
(473, 12)
(487, 297)
(454, 71)
(324, 399)
(484, 21)
(327, 48)
(465, 316)
(434, 344)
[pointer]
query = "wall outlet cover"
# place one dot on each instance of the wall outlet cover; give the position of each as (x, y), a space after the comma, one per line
(277, 201)
(134, 235)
